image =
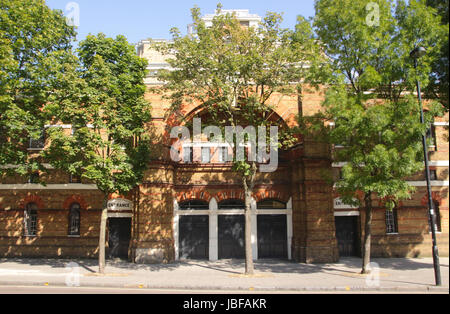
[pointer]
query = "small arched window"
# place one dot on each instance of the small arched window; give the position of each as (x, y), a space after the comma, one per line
(194, 205)
(74, 219)
(271, 204)
(391, 221)
(30, 220)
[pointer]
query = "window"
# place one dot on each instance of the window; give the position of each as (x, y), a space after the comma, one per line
(391, 221)
(74, 179)
(188, 154)
(271, 204)
(30, 220)
(206, 155)
(33, 178)
(433, 175)
(431, 137)
(223, 154)
(74, 220)
(245, 23)
(194, 205)
(437, 213)
(37, 143)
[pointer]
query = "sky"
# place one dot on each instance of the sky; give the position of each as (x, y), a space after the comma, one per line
(142, 19)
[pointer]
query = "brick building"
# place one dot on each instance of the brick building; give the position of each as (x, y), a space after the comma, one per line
(195, 209)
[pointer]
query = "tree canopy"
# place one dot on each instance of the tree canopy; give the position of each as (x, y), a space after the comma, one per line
(31, 36)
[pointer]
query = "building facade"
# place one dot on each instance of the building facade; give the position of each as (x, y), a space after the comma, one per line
(194, 209)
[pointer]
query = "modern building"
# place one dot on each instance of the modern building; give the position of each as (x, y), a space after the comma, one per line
(193, 209)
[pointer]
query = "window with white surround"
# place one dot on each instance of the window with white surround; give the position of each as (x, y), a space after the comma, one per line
(74, 219)
(391, 221)
(30, 220)
(206, 155)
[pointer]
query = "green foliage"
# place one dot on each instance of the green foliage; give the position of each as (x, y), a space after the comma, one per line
(101, 94)
(375, 57)
(439, 77)
(31, 36)
(377, 130)
(231, 71)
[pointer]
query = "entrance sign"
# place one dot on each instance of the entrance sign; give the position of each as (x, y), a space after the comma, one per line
(120, 204)
(338, 204)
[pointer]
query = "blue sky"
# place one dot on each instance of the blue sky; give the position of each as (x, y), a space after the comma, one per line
(142, 19)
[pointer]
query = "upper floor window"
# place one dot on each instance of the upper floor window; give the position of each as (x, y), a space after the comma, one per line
(431, 137)
(74, 219)
(223, 154)
(206, 155)
(188, 154)
(33, 178)
(74, 179)
(37, 143)
(30, 220)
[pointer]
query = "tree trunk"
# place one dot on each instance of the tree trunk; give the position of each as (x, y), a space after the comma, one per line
(249, 184)
(367, 233)
(102, 239)
(249, 268)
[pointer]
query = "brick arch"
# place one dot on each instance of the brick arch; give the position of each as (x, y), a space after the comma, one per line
(436, 196)
(75, 199)
(128, 196)
(382, 202)
(188, 112)
(200, 195)
(31, 199)
(230, 195)
(270, 194)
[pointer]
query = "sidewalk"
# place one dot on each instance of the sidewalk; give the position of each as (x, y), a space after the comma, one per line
(394, 275)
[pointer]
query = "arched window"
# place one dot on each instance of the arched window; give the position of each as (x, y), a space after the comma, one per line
(391, 221)
(74, 219)
(232, 204)
(194, 205)
(271, 204)
(30, 220)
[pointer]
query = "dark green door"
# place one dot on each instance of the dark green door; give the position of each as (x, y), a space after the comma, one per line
(347, 235)
(119, 230)
(231, 236)
(194, 237)
(272, 236)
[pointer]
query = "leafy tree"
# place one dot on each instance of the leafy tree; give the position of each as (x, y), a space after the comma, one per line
(439, 77)
(232, 71)
(31, 35)
(101, 94)
(377, 126)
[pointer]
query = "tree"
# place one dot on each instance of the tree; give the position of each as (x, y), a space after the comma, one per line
(368, 43)
(101, 94)
(439, 78)
(232, 71)
(31, 35)
(380, 146)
